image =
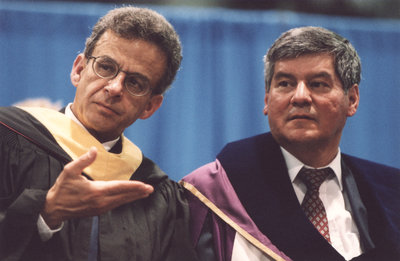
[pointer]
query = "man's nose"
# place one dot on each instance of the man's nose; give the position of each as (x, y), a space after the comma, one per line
(301, 96)
(115, 86)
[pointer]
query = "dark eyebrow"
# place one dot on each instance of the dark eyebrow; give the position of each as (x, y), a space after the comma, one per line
(284, 75)
(322, 75)
(107, 58)
(292, 77)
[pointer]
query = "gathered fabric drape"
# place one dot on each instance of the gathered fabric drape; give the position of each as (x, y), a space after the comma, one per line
(218, 95)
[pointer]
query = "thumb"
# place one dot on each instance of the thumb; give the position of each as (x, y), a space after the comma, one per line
(76, 166)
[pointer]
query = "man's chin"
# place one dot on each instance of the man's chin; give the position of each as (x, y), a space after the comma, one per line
(297, 137)
(106, 133)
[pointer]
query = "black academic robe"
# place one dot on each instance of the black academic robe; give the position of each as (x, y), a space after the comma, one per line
(155, 228)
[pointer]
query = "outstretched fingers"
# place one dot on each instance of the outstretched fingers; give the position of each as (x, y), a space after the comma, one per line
(68, 190)
(75, 196)
(116, 193)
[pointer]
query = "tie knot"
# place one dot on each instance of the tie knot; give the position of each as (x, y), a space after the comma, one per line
(313, 178)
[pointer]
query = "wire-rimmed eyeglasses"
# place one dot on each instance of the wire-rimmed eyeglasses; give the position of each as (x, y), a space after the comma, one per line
(107, 68)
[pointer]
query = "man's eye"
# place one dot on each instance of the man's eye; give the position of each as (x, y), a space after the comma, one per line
(283, 84)
(134, 86)
(106, 67)
(132, 83)
(318, 84)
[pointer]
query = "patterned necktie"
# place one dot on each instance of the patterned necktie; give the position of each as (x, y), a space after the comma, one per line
(312, 204)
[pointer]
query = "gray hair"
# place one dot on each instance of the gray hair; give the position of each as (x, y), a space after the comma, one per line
(314, 40)
(144, 24)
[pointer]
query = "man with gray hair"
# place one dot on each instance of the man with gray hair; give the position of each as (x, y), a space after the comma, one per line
(291, 194)
(73, 187)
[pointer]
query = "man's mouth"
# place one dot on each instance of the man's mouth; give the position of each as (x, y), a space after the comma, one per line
(108, 108)
(301, 117)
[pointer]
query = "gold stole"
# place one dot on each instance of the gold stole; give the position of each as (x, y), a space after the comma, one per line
(76, 141)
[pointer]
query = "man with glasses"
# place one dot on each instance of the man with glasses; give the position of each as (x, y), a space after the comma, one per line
(72, 186)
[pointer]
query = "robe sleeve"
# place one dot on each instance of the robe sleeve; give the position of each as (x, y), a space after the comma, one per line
(25, 176)
(205, 245)
(155, 228)
(175, 242)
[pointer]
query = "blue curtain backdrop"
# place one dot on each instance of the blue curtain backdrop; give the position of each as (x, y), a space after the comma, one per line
(218, 95)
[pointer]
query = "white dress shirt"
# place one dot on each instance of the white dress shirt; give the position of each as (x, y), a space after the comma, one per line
(243, 250)
(45, 232)
(342, 227)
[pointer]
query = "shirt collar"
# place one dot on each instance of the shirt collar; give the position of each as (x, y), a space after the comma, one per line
(294, 166)
(68, 112)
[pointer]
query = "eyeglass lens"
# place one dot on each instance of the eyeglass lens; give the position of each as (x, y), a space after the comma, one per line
(108, 68)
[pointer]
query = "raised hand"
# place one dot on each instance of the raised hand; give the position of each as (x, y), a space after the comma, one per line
(73, 195)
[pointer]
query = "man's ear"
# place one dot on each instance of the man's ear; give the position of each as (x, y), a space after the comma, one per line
(354, 99)
(153, 105)
(265, 110)
(77, 67)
